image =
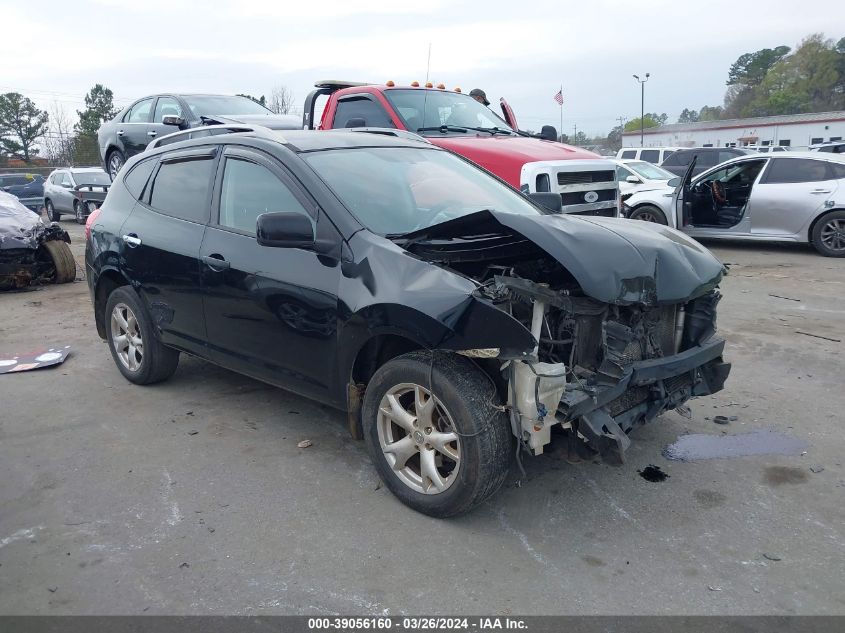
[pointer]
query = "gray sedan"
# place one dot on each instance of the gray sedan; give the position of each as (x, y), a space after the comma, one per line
(789, 197)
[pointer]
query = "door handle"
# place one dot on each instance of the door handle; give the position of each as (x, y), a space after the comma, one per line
(820, 191)
(152, 133)
(131, 240)
(120, 132)
(216, 262)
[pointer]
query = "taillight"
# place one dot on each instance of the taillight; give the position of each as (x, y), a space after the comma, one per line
(92, 217)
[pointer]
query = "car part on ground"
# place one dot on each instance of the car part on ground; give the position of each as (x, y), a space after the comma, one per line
(31, 252)
(455, 321)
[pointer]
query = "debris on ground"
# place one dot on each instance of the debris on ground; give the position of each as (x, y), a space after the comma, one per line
(684, 411)
(33, 360)
(773, 557)
(52, 589)
(304, 444)
(721, 419)
(816, 469)
(826, 338)
(713, 588)
(184, 565)
(192, 432)
(780, 297)
(653, 473)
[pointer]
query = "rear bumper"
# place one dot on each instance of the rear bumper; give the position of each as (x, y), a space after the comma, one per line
(33, 204)
(605, 413)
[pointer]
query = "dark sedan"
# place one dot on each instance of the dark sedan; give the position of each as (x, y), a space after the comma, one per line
(28, 188)
(705, 158)
(139, 123)
(452, 319)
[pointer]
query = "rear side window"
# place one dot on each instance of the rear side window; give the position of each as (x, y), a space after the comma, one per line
(361, 112)
(629, 153)
(56, 178)
(788, 170)
(837, 171)
(10, 181)
(650, 155)
(709, 159)
(723, 156)
(679, 159)
(140, 112)
(136, 179)
(180, 189)
(667, 153)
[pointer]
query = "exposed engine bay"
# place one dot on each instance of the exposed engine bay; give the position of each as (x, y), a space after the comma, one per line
(599, 369)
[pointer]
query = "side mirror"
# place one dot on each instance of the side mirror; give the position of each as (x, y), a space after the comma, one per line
(67, 185)
(633, 180)
(674, 182)
(285, 229)
(172, 119)
(548, 133)
(550, 201)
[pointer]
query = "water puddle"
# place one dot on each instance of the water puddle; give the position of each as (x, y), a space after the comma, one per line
(760, 442)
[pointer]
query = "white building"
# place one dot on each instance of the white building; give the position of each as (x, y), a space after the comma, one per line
(796, 131)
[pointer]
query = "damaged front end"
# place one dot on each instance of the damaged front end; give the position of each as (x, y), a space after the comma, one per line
(640, 344)
(22, 234)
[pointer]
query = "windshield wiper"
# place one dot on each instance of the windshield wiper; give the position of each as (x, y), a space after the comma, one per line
(443, 129)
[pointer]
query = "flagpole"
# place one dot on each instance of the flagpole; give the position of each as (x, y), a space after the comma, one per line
(561, 111)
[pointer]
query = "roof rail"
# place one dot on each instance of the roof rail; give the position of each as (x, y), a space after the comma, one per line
(214, 130)
(337, 84)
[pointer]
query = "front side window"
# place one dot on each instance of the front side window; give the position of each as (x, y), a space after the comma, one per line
(396, 190)
(140, 112)
(679, 159)
(361, 112)
(649, 171)
(56, 178)
(248, 191)
(166, 106)
(742, 173)
(220, 105)
(622, 173)
(91, 178)
(791, 170)
(66, 179)
(180, 188)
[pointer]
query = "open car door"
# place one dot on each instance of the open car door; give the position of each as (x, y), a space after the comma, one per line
(683, 200)
(507, 111)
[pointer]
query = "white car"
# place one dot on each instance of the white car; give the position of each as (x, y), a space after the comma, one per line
(638, 175)
(784, 197)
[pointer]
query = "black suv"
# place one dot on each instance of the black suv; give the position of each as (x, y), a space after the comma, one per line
(139, 123)
(706, 157)
(453, 319)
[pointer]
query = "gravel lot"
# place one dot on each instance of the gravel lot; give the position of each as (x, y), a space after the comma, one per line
(192, 496)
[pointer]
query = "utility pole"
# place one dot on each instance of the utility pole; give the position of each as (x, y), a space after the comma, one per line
(642, 104)
(575, 137)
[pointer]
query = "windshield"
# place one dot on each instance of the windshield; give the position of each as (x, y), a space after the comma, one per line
(396, 190)
(649, 171)
(433, 108)
(91, 178)
(219, 105)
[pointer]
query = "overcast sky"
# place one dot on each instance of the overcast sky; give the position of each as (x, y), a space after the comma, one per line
(522, 51)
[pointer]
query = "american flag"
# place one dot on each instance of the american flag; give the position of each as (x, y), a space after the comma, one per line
(559, 97)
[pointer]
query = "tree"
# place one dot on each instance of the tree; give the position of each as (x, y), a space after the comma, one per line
(750, 68)
(614, 138)
(60, 140)
(708, 113)
(21, 125)
(688, 116)
(99, 108)
(651, 119)
(281, 100)
(260, 100)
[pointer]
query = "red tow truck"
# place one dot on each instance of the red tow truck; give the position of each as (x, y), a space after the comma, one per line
(455, 121)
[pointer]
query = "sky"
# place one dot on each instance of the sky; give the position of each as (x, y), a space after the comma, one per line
(523, 52)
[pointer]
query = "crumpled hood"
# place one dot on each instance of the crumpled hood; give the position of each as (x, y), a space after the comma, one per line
(623, 261)
(19, 227)
(613, 259)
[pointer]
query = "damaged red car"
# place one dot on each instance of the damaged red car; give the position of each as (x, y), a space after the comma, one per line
(456, 320)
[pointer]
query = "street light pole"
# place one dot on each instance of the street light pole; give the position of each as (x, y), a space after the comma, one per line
(642, 104)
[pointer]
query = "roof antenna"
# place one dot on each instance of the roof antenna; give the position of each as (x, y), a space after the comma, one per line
(428, 64)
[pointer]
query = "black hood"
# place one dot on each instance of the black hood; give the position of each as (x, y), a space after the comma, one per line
(613, 259)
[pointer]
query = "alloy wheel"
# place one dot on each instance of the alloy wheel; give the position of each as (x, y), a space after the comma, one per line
(126, 337)
(833, 234)
(115, 163)
(646, 216)
(417, 436)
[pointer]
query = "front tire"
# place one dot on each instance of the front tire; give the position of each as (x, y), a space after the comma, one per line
(435, 432)
(79, 212)
(52, 214)
(137, 352)
(114, 163)
(829, 234)
(649, 213)
(62, 259)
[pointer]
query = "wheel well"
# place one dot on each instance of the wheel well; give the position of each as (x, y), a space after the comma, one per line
(376, 352)
(106, 284)
(816, 221)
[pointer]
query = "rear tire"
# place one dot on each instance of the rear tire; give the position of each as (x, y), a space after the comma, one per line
(829, 234)
(135, 349)
(52, 214)
(79, 212)
(114, 163)
(649, 213)
(441, 458)
(59, 253)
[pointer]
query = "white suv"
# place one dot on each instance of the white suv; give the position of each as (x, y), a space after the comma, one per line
(654, 155)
